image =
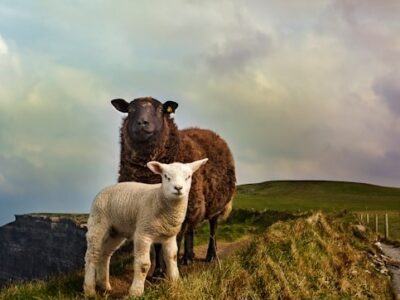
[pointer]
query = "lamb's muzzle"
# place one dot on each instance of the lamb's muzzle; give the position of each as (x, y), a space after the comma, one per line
(146, 213)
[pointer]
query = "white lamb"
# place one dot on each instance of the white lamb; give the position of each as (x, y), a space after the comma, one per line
(146, 213)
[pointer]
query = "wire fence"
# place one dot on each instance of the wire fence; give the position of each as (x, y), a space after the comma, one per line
(385, 223)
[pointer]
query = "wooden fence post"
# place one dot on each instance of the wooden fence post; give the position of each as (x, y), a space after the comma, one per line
(367, 218)
(386, 226)
(362, 218)
(376, 224)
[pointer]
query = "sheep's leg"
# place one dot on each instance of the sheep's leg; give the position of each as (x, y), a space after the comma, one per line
(212, 243)
(141, 264)
(160, 264)
(188, 255)
(95, 237)
(170, 249)
(180, 236)
(103, 268)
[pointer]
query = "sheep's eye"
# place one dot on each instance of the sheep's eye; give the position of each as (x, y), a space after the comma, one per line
(187, 178)
(166, 177)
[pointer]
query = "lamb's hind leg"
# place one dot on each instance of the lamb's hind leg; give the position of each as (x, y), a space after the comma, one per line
(212, 243)
(95, 237)
(111, 243)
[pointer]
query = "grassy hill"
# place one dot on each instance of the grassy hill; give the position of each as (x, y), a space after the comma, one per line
(317, 195)
(282, 238)
(301, 257)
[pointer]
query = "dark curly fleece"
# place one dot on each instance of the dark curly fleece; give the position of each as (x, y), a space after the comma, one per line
(212, 186)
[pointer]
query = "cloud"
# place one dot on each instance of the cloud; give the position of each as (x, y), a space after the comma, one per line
(3, 47)
(388, 88)
(299, 90)
(235, 52)
(53, 139)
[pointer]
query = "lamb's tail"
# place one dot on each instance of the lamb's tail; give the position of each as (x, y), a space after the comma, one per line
(226, 212)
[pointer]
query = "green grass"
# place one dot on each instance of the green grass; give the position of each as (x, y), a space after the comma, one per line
(306, 258)
(242, 222)
(288, 255)
(317, 195)
(297, 257)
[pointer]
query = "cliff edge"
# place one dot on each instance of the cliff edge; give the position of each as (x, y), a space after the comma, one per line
(36, 246)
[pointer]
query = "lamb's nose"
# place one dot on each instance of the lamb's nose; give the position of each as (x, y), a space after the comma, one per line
(178, 188)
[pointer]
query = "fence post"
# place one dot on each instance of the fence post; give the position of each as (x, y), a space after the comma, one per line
(367, 218)
(386, 226)
(362, 218)
(376, 224)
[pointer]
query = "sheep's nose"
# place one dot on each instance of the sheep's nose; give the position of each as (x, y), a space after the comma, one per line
(178, 188)
(143, 123)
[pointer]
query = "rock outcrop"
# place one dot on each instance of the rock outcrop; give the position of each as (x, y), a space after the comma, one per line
(36, 246)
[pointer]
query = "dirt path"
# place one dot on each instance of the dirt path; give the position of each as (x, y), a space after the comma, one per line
(121, 284)
(394, 253)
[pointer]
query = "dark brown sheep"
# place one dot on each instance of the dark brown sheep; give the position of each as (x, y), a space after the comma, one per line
(149, 133)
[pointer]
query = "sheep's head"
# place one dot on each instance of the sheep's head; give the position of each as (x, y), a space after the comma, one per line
(176, 177)
(146, 116)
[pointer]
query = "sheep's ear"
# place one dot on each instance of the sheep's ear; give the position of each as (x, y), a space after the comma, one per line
(121, 105)
(197, 164)
(155, 167)
(169, 107)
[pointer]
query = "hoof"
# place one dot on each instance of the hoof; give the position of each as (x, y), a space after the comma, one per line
(211, 255)
(210, 258)
(186, 261)
(89, 292)
(135, 292)
(158, 273)
(105, 287)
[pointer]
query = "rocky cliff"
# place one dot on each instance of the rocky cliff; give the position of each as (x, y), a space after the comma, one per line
(36, 246)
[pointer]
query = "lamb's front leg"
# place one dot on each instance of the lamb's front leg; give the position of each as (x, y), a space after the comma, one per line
(141, 264)
(170, 249)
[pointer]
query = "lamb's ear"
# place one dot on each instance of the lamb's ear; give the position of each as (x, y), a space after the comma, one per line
(169, 107)
(155, 167)
(197, 164)
(121, 105)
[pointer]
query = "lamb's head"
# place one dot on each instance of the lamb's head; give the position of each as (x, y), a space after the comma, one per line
(176, 177)
(147, 117)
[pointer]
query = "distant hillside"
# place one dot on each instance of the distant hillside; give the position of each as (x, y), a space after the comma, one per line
(325, 195)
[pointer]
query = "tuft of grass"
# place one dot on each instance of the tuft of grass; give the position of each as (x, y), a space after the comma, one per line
(61, 287)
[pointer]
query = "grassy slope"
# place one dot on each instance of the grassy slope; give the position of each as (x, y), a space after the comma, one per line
(318, 257)
(299, 257)
(288, 254)
(317, 195)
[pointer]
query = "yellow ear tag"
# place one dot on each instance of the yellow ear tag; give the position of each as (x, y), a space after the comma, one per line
(169, 109)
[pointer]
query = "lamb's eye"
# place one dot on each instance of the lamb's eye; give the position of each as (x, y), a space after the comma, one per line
(166, 177)
(187, 178)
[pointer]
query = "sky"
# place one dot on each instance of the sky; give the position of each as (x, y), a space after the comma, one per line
(306, 89)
